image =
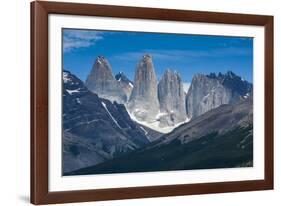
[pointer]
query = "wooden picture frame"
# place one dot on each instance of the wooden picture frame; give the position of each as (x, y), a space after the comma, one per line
(40, 193)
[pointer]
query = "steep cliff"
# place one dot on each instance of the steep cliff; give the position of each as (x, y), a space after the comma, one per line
(210, 91)
(143, 103)
(126, 84)
(171, 99)
(102, 82)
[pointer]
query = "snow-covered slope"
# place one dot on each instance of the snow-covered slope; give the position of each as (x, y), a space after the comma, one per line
(156, 123)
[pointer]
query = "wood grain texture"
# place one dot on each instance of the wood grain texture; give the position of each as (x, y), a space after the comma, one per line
(269, 102)
(39, 102)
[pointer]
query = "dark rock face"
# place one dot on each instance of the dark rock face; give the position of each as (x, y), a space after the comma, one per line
(143, 103)
(79, 152)
(171, 99)
(102, 82)
(234, 82)
(126, 84)
(220, 138)
(94, 129)
(210, 91)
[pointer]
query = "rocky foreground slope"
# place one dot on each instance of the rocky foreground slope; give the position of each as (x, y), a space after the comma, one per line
(95, 129)
(220, 138)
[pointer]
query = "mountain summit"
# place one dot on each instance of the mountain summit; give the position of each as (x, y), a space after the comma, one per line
(126, 84)
(102, 82)
(207, 92)
(172, 99)
(163, 105)
(143, 103)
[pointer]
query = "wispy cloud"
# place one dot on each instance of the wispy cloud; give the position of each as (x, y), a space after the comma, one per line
(176, 55)
(74, 38)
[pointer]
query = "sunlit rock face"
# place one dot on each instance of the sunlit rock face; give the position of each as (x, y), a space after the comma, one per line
(143, 103)
(102, 82)
(210, 91)
(171, 98)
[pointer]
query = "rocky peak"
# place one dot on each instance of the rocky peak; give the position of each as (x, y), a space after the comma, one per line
(72, 85)
(171, 98)
(210, 91)
(102, 67)
(101, 60)
(143, 103)
(121, 77)
(233, 82)
(199, 77)
(145, 65)
(147, 57)
(125, 83)
(102, 82)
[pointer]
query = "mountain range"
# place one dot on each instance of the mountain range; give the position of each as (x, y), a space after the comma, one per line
(110, 121)
(163, 105)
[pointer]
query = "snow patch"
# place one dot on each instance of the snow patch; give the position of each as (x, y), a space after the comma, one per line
(88, 122)
(185, 86)
(246, 96)
(131, 85)
(155, 125)
(65, 77)
(78, 100)
(205, 97)
(161, 114)
(145, 132)
(114, 120)
(99, 61)
(130, 147)
(94, 120)
(72, 91)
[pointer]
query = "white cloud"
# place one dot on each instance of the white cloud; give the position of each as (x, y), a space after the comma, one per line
(75, 38)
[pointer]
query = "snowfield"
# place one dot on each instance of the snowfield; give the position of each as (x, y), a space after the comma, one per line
(155, 125)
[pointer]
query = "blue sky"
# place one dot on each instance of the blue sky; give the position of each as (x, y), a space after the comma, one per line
(186, 54)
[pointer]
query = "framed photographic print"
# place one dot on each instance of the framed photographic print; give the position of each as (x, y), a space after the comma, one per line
(133, 102)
